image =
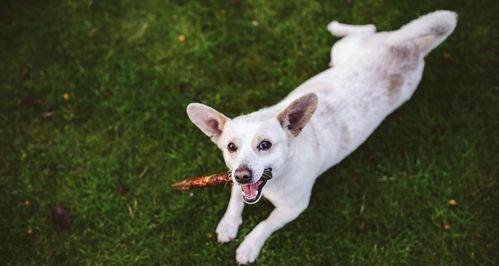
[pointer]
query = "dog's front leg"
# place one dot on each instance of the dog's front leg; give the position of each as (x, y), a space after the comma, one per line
(228, 226)
(250, 247)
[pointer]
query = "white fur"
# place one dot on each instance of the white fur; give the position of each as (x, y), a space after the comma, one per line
(373, 74)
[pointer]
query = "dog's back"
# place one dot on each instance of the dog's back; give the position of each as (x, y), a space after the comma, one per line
(373, 75)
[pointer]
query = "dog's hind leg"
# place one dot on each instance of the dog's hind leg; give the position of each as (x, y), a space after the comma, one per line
(427, 31)
(229, 224)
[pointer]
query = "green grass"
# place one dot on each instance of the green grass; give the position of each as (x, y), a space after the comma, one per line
(130, 80)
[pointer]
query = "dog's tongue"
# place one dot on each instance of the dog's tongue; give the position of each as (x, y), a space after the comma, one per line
(250, 190)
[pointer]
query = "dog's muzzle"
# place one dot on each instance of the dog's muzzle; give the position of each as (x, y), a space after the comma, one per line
(252, 192)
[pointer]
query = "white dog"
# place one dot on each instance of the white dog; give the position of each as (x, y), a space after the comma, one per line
(319, 123)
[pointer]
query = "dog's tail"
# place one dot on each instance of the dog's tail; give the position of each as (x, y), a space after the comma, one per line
(427, 31)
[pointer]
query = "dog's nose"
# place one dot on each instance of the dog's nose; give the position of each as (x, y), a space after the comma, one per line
(243, 174)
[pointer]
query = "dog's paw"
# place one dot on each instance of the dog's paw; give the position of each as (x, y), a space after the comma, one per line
(227, 230)
(247, 252)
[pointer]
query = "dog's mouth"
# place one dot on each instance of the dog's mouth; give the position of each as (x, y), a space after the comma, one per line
(253, 192)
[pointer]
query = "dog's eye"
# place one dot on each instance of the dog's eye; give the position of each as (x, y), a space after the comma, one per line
(232, 147)
(264, 145)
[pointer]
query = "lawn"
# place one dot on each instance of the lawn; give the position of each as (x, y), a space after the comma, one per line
(92, 121)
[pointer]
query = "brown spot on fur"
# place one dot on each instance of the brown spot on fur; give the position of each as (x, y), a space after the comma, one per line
(327, 110)
(400, 52)
(439, 30)
(402, 59)
(395, 83)
(344, 137)
(405, 56)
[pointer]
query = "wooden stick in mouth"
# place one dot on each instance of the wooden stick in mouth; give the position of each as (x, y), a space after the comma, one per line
(203, 181)
(212, 180)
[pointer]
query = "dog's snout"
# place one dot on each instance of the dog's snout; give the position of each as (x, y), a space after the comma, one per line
(243, 175)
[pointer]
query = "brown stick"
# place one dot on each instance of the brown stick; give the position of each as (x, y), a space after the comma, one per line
(203, 181)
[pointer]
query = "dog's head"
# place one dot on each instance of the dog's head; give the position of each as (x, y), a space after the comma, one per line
(253, 145)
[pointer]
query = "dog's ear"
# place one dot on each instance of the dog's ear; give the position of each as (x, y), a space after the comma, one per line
(298, 113)
(209, 120)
